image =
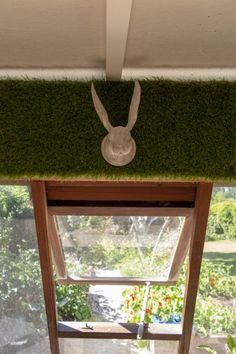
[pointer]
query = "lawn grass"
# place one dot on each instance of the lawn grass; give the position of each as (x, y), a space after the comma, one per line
(228, 259)
(223, 252)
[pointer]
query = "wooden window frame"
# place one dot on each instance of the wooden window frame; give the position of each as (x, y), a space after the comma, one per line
(191, 199)
(74, 199)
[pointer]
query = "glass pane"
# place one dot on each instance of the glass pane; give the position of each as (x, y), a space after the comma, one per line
(119, 246)
(93, 303)
(107, 303)
(215, 313)
(23, 326)
(106, 346)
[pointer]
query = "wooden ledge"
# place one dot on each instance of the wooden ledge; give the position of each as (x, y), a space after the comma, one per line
(116, 281)
(109, 330)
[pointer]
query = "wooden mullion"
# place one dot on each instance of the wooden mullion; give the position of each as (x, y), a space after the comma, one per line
(41, 221)
(181, 249)
(200, 217)
(56, 248)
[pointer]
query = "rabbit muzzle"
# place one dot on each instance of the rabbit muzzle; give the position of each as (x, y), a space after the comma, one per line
(120, 141)
(118, 147)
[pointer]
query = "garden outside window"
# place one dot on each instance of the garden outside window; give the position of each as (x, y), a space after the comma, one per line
(115, 233)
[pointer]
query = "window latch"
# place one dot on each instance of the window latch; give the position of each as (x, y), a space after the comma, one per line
(143, 313)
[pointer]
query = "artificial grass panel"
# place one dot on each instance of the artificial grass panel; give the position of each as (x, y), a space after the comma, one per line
(184, 130)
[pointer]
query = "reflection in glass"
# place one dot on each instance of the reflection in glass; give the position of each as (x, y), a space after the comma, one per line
(119, 246)
(23, 325)
(107, 346)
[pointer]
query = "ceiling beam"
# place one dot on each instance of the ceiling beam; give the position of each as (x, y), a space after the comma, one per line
(181, 74)
(117, 27)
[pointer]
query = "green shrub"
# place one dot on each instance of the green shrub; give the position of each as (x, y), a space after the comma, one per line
(72, 302)
(20, 277)
(222, 221)
(20, 286)
(211, 317)
(216, 281)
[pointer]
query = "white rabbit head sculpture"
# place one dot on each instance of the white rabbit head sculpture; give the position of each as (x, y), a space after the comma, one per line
(118, 147)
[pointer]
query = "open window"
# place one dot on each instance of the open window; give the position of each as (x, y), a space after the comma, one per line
(156, 223)
(139, 249)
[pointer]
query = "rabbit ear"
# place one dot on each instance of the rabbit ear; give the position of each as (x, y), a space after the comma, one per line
(133, 111)
(102, 113)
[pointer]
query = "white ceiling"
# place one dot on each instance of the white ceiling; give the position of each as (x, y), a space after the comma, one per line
(52, 33)
(162, 34)
(182, 33)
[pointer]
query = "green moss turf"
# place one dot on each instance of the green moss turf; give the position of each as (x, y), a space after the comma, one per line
(184, 130)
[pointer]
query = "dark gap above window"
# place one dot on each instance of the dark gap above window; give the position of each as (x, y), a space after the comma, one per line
(120, 204)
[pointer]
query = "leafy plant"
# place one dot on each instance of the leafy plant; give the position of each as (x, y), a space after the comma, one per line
(230, 346)
(72, 302)
(213, 318)
(165, 303)
(20, 277)
(208, 349)
(216, 281)
(222, 221)
(220, 194)
(20, 285)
